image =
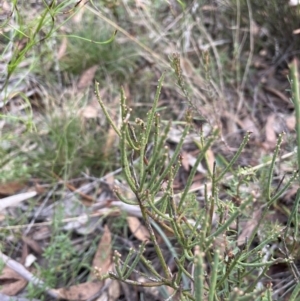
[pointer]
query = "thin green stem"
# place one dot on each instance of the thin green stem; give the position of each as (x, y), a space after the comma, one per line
(103, 107)
(213, 281)
(235, 157)
(135, 261)
(199, 277)
(157, 248)
(194, 169)
(153, 110)
(157, 184)
(296, 100)
(271, 168)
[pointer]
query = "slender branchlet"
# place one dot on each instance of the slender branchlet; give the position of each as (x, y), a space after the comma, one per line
(194, 169)
(235, 157)
(296, 100)
(103, 107)
(271, 168)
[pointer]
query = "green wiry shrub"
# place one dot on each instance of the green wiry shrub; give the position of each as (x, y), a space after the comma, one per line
(205, 268)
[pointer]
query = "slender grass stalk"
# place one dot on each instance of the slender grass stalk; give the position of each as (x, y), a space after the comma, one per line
(211, 202)
(284, 188)
(271, 167)
(296, 100)
(294, 216)
(295, 294)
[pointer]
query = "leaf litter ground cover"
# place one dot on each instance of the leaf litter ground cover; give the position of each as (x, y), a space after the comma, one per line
(60, 160)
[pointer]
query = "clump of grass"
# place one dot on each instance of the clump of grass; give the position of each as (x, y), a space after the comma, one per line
(83, 51)
(64, 143)
(70, 148)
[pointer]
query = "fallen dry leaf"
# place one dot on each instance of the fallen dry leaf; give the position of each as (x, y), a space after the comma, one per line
(278, 94)
(11, 282)
(102, 258)
(33, 245)
(249, 227)
(190, 72)
(137, 229)
(10, 188)
(249, 126)
(112, 294)
(41, 233)
(89, 112)
(6, 7)
(210, 157)
(62, 48)
(296, 31)
(111, 138)
(80, 10)
(192, 161)
(185, 161)
(87, 77)
(271, 138)
(114, 291)
(291, 122)
(80, 292)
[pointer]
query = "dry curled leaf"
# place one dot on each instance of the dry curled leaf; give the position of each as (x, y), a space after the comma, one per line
(102, 258)
(10, 188)
(291, 122)
(87, 77)
(110, 140)
(33, 245)
(137, 229)
(271, 138)
(80, 292)
(249, 126)
(11, 282)
(210, 159)
(185, 161)
(89, 112)
(249, 227)
(62, 48)
(112, 293)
